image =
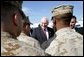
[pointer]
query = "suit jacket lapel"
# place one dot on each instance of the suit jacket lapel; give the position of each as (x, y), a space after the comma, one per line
(42, 33)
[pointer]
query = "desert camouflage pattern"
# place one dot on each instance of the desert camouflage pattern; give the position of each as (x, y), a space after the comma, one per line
(62, 9)
(13, 47)
(29, 40)
(67, 43)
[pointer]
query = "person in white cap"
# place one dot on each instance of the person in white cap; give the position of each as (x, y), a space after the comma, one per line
(67, 42)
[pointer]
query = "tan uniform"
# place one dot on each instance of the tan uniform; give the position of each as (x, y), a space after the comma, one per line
(67, 43)
(29, 40)
(13, 47)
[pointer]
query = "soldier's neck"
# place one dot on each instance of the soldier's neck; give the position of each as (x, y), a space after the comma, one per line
(61, 26)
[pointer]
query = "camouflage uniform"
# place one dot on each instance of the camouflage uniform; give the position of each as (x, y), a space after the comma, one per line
(25, 38)
(29, 40)
(13, 47)
(67, 42)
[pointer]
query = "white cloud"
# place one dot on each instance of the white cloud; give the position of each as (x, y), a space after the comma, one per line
(80, 23)
(82, 18)
(26, 10)
(50, 24)
(34, 25)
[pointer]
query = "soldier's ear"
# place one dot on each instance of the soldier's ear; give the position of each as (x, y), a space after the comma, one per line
(15, 21)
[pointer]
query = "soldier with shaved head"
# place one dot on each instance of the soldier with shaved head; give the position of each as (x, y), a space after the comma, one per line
(11, 26)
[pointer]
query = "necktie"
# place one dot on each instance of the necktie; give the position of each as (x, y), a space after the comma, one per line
(45, 31)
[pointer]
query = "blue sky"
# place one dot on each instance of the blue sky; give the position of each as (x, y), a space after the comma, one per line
(37, 9)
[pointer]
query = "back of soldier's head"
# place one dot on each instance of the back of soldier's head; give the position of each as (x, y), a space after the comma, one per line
(8, 8)
(11, 15)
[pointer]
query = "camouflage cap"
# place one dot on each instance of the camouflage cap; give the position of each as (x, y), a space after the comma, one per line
(60, 10)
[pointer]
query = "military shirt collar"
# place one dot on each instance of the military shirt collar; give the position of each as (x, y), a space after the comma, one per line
(5, 34)
(63, 30)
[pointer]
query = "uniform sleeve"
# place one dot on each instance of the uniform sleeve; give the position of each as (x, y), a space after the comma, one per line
(53, 48)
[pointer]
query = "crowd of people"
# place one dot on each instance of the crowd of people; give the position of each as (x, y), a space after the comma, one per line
(61, 40)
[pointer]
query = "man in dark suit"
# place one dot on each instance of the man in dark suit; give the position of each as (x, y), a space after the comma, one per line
(74, 27)
(79, 30)
(42, 33)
